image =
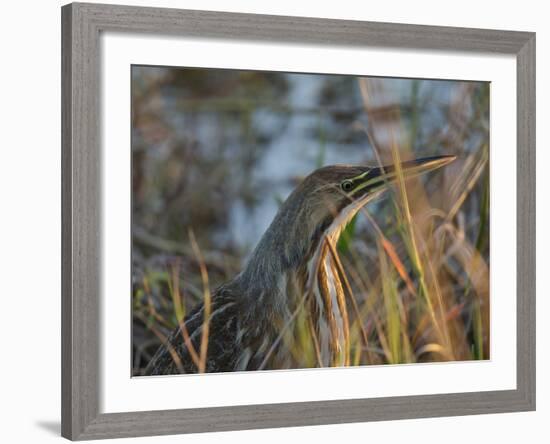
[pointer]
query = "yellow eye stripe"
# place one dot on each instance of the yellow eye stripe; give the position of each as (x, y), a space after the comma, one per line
(360, 175)
(374, 180)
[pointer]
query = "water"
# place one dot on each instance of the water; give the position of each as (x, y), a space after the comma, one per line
(268, 147)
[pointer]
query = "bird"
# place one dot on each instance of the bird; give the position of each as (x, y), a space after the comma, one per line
(242, 325)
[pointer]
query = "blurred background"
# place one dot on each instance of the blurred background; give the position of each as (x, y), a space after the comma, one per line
(215, 153)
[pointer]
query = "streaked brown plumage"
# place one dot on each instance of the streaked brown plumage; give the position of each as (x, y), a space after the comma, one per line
(294, 263)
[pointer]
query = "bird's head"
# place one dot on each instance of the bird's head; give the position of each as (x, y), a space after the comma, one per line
(337, 190)
(344, 184)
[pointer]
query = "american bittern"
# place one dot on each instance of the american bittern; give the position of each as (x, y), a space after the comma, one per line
(293, 262)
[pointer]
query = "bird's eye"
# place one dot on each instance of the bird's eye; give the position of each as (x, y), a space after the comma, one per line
(347, 185)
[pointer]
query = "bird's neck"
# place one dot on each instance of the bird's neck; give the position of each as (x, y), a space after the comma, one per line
(292, 261)
(280, 267)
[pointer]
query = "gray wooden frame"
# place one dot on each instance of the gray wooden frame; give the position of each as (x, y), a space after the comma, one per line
(81, 231)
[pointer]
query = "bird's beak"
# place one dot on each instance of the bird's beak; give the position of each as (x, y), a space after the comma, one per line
(378, 177)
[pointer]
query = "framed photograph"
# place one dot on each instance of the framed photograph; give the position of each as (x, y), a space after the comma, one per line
(277, 221)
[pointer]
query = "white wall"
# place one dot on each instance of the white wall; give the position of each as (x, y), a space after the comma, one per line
(30, 219)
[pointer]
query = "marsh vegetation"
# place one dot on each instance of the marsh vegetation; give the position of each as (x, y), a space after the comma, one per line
(215, 152)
